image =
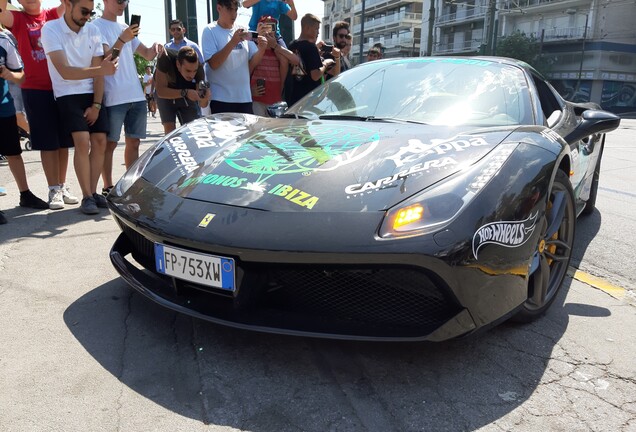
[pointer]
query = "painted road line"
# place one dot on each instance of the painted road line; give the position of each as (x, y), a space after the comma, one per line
(598, 283)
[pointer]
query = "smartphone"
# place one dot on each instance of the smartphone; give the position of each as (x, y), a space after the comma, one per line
(253, 36)
(135, 19)
(260, 82)
(115, 53)
(273, 26)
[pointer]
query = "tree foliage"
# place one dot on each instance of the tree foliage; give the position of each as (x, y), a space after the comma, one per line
(524, 48)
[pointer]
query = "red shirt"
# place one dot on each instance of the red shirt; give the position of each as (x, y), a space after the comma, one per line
(268, 69)
(27, 30)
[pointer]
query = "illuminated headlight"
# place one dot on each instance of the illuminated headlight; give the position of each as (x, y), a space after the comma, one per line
(135, 171)
(438, 205)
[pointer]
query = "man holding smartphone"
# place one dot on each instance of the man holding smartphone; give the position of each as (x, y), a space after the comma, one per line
(230, 59)
(177, 77)
(124, 99)
(39, 102)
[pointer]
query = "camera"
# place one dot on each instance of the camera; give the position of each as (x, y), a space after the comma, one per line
(327, 48)
(202, 87)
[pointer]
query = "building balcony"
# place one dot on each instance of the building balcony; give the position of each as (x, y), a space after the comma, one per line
(460, 17)
(562, 34)
(515, 6)
(457, 47)
(390, 21)
(374, 5)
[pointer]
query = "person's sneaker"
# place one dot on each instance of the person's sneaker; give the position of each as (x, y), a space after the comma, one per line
(56, 199)
(67, 196)
(89, 206)
(27, 199)
(3, 220)
(106, 190)
(100, 200)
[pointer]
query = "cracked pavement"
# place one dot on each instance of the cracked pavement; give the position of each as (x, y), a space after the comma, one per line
(80, 351)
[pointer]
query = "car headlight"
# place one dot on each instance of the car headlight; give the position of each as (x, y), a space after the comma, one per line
(438, 205)
(135, 171)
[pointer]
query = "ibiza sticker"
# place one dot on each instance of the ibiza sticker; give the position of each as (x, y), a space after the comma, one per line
(510, 234)
(206, 220)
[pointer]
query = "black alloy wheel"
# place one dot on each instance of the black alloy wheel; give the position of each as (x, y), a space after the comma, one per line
(554, 249)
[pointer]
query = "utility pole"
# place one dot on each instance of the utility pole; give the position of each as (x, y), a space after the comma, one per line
(167, 4)
(431, 22)
(362, 32)
(489, 27)
(578, 81)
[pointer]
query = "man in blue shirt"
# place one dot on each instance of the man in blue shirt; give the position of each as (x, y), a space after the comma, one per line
(11, 69)
(178, 31)
(273, 8)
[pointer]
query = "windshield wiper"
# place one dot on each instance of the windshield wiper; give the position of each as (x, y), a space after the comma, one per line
(366, 118)
(294, 116)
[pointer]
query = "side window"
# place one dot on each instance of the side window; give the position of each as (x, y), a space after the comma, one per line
(549, 103)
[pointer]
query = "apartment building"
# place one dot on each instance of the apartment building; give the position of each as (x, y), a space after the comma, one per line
(396, 24)
(589, 45)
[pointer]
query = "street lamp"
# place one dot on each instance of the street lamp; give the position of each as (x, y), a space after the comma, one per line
(578, 81)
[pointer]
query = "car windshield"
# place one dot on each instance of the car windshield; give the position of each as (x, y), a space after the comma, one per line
(431, 90)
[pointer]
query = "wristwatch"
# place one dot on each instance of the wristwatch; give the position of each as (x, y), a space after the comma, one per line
(97, 105)
(184, 93)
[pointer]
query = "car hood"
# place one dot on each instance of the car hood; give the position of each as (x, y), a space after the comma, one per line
(318, 165)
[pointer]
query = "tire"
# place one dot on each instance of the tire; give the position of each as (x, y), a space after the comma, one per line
(590, 205)
(553, 251)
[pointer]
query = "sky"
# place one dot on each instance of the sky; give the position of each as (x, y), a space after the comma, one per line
(152, 13)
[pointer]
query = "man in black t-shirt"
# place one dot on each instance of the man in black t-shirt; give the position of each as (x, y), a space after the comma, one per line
(177, 79)
(309, 74)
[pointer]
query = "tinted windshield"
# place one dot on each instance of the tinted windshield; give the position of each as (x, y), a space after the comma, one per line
(432, 90)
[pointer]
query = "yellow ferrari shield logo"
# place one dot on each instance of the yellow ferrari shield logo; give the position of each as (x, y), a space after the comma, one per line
(206, 220)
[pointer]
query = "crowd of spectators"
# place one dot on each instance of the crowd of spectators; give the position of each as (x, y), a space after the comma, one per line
(64, 60)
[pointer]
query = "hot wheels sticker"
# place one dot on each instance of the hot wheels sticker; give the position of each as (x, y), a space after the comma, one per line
(509, 234)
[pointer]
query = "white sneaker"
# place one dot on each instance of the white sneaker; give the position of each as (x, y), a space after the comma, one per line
(56, 199)
(68, 197)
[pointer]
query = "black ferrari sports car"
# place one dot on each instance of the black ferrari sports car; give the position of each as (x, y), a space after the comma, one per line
(406, 199)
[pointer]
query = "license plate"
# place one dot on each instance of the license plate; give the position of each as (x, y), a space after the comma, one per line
(204, 269)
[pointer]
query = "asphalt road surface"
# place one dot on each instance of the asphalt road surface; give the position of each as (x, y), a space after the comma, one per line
(79, 351)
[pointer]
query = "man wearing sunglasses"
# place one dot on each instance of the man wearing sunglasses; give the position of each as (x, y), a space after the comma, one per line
(74, 51)
(340, 33)
(39, 102)
(179, 40)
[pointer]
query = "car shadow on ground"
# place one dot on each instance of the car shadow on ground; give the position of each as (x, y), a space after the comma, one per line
(263, 382)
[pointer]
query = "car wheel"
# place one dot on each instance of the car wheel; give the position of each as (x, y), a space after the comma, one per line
(553, 251)
(590, 205)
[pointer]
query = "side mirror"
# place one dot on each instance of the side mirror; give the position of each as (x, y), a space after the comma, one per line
(277, 109)
(593, 121)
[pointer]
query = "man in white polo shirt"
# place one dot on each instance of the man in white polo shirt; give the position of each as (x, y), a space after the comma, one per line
(123, 96)
(74, 53)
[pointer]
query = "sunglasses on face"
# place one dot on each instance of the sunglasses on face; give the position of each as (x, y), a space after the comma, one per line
(175, 29)
(87, 12)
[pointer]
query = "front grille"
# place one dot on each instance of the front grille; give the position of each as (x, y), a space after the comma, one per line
(395, 297)
(363, 300)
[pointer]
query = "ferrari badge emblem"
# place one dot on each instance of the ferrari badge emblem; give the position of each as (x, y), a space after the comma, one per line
(206, 220)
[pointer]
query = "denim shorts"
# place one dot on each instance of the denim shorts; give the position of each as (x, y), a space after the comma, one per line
(133, 116)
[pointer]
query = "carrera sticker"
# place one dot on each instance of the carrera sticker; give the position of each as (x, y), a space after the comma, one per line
(509, 234)
(416, 149)
(382, 183)
(313, 148)
(181, 155)
(206, 220)
(296, 196)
